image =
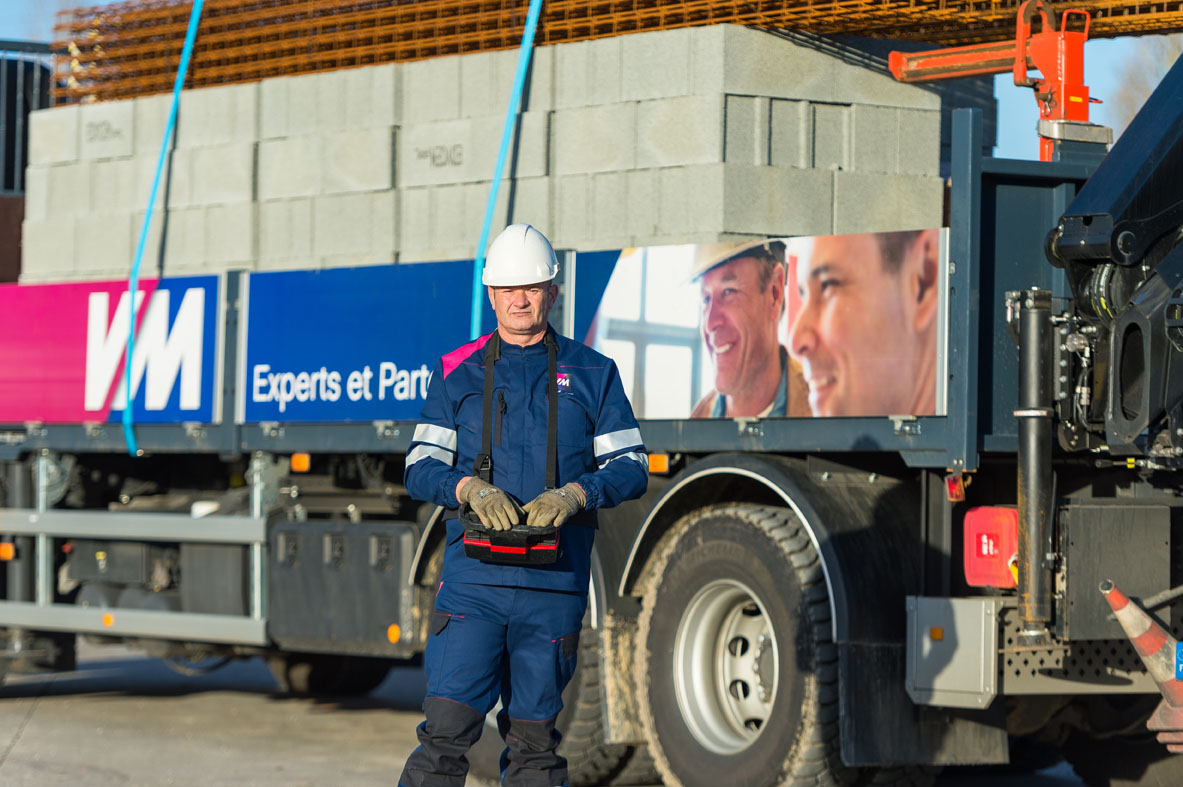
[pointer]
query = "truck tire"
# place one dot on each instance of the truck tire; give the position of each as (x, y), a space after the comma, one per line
(327, 674)
(737, 672)
(590, 761)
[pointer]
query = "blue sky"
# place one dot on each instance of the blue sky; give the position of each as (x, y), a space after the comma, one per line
(33, 20)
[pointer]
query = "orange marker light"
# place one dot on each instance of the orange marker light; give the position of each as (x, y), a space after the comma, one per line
(7, 550)
(936, 633)
(393, 633)
(108, 619)
(659, 463)
(301, 463)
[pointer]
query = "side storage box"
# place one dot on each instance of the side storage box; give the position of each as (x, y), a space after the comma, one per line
(215, 579)
(337, 587)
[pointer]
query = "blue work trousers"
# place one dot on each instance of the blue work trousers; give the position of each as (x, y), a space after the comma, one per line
(488, 642)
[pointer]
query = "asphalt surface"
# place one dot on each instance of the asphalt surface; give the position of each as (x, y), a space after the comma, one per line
(124, 719)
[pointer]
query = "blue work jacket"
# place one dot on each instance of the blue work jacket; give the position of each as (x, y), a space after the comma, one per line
(599, 447)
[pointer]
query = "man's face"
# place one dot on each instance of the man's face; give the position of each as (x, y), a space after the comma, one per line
(522, 311)
(854, 334)
(739, 321)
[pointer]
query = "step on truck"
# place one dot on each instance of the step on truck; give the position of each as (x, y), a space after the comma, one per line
(846, 592)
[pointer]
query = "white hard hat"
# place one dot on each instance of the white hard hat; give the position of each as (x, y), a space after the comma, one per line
(519, 255)
(711, 255)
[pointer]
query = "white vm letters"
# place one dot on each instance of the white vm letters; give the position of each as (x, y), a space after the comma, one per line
(159, 353)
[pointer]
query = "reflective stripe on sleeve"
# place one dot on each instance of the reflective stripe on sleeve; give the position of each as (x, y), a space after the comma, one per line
(615, 441)
(429, 452)
(437, 435)
(636, 456)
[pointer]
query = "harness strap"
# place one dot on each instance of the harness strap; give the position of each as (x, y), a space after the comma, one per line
(483, 466)
(552, 409)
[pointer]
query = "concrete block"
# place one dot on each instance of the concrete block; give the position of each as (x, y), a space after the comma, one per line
(176, 180)
(433, 224)
(358, 160)
(184, 239)
(465, 151)
(680, 131)
(230, 235)
(273, 107)
(830, 136)
(745, 131)
(37, 193)
(656, 65)
(224, 174)
(150, 117)
(573, 195)
(103, 242)
(285, 230)
(919, 142)
(414, 219)
(108, 130)
(69, 189)
(587, 73)
(290, 167)
(355, 224)
(218, 115)
(113, 185)
(289, 106)
(356, 98)
(431, 89)
(287, 264)
(47, 249)
(594, 139)
(486, 82)
(860, 85)
(690, 200)
(874, 138)
(642, 200)
(528, 201)
(777, 201)
(54, 135)
(757, 63)
(790, 142)
(874, 202)
(608, 219)
(153, 261)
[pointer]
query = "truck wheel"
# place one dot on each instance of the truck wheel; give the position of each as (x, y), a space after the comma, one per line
(318, 674)
(1123, 762)
(738, 675)
(590, 761)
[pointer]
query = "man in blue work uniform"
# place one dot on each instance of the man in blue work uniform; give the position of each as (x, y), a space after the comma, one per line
(489, 442)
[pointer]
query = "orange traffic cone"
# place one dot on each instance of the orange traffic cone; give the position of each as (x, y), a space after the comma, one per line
(1157, 649)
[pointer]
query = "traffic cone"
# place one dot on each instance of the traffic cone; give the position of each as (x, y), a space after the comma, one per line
(1157, 649)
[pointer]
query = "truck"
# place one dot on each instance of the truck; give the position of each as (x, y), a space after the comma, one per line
(820, 598)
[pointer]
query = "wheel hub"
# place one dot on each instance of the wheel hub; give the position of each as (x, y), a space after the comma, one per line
(725, 666)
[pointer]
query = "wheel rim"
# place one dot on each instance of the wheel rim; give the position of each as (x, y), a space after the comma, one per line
(726, 669)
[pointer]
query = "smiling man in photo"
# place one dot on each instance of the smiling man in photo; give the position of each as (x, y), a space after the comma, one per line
(866, 332)
(742, 302)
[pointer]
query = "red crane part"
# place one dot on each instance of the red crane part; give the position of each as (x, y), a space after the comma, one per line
(1058, 56)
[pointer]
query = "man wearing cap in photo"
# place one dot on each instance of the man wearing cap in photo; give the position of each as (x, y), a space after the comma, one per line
(742, 288)
(866, 332)
(520, 426)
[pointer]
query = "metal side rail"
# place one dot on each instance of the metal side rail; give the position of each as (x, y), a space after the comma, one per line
(44, 614)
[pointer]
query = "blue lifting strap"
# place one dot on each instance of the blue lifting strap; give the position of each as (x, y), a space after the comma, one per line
(511, 112)
(133, 281)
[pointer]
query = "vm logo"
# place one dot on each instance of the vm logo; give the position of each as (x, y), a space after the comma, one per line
(160, 354)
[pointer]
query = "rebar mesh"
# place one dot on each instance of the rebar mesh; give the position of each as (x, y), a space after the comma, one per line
(132, 48)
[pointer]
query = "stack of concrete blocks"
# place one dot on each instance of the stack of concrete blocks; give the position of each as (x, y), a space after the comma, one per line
(682, 136)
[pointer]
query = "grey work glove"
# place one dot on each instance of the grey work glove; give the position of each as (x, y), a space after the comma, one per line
(491, 505)
(553, 506)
